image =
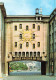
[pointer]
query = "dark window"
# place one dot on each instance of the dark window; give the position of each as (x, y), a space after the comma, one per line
(38, 44)
(33, 36)
(38, 28)
(15, 53)
(33, 46)
(26, 27)
(34, 54)
(23, 54)
(15, 28)
(19, 54)
(20, 46)
(27, 54)
(30, 54)
(15, 44)
(38, 54)
(33, 26)
(20, 26)
(20, 36)
(27, 44)
(38, 18)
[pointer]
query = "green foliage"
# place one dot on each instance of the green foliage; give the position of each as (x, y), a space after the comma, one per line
(18, 66)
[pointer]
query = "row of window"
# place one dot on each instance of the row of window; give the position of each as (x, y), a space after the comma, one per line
(27, 54)
(27, 27)
(33, 36)
(27, 45)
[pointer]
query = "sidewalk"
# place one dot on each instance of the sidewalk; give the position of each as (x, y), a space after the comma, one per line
(34, 77)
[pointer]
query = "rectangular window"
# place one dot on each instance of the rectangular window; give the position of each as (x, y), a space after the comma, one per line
(15, 54)
(27, 44)
(38, 44)
(33, 36)
(20, 36)
(20, 26)
(34, 54)
(15, 28)
(33, 46)
(15, 44)
(33, 26)
(38, 28)
(27, 28)
(20, 46)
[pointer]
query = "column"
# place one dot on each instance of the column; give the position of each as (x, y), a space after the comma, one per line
(25, 54)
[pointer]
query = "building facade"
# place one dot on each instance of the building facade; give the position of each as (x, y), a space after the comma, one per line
(27, 37)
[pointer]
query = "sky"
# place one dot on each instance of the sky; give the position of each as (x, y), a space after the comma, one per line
(27, 7)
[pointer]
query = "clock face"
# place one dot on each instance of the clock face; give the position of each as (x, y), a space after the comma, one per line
(27, 35)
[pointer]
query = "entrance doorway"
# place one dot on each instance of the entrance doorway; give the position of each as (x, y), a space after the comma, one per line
(24, 68)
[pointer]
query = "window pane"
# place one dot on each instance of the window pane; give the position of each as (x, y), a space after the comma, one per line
(38, 54)
(33, 36)
(15, 44)
(30, 54)
(38, 44)
(38, 28)
(20, 36)
(26, 27)
(20, 46)
(33, 46)
(33, 26)
(27, 54)
(27, 44)
(20, 26)
(19, 54)
(23, 54)
(15, 28)
(34, 54)
(15, 53)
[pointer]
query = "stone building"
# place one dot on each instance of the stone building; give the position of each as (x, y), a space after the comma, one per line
(27, 37)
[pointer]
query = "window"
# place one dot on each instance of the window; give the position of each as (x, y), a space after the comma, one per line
(20, 26)
(15, 54)
(26, 28)
(33, 36)
(30, 54)
(38, 54)
(20, 36)
(33, 26)
(34, 54)
(19, 54)
(20, 46)
(15, 28)
(23, 54)
(38, 28)
(38, 18)
(27, 44)
(27, 54)
(15, 44)
(33, 46)
(38, 44)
